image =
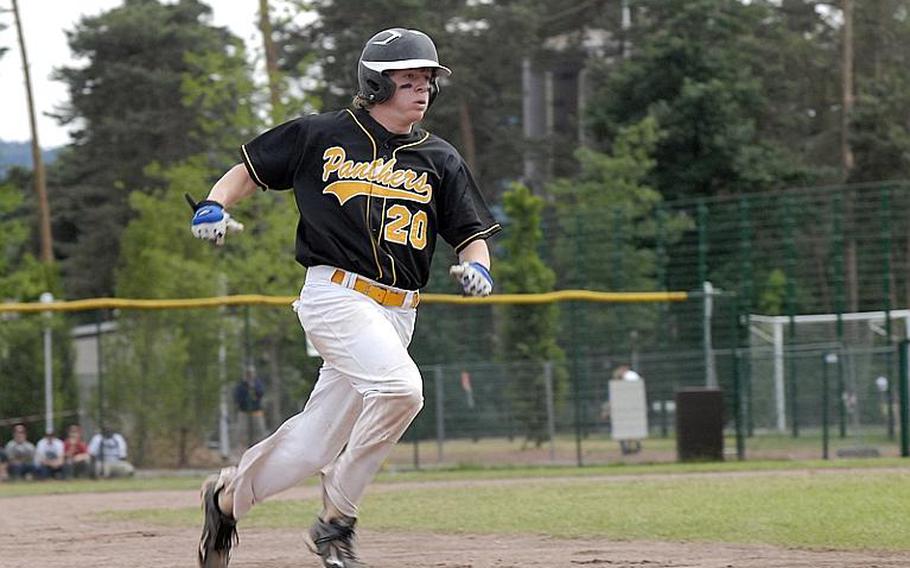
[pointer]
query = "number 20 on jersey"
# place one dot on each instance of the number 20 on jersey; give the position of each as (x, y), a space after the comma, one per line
(405, 227)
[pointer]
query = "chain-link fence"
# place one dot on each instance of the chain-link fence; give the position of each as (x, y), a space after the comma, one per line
(167, 379)
(792, 310)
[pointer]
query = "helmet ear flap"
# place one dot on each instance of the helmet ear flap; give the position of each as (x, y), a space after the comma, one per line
(374, 87)
(434, 90)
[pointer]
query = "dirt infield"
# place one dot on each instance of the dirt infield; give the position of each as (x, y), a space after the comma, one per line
(57, 531)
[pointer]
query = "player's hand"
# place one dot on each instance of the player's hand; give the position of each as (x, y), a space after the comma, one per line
(210, 221)
(473, 277)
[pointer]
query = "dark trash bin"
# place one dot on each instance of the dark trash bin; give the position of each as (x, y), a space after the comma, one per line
(699, 424)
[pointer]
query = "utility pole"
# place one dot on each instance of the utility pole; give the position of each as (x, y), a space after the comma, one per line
(847, 99)
(271, 60)
(47, 248)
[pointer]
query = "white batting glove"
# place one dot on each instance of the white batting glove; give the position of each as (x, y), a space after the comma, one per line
(211, 222)
(473, 277)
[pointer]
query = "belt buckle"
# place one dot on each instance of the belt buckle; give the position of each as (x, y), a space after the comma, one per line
(378, 294)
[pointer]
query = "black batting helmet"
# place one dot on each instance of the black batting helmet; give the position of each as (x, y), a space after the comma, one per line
(396, 48)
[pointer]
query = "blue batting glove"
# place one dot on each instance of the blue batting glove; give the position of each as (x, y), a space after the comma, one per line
(210, 221)
(474, 278)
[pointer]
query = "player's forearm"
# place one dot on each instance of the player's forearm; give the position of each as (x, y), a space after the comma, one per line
(234, 186)
(476, 251)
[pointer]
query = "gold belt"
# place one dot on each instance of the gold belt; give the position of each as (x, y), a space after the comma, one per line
(380, 294)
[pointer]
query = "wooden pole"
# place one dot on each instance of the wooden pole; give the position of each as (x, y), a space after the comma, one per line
(271, 60)
(47, 253)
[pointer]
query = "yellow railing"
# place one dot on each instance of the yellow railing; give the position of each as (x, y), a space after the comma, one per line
(261, 300)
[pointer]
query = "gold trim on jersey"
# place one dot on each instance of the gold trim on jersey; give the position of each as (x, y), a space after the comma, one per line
(249, 162)
(480, 235)
(345, 190)
(373, 242)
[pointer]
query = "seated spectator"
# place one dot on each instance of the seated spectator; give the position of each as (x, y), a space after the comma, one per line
(20, 454)
(76, 459)
(108, 449)
(49, 456)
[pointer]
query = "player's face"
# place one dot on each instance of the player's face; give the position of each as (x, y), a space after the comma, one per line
(412, 93)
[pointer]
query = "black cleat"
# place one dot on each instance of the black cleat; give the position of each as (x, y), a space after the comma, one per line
(219, 531)
(333, 541)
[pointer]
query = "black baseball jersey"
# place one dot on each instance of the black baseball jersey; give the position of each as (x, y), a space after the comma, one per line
(370, 201)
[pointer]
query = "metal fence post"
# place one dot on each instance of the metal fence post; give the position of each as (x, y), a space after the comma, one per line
(47, 298)
(839, 300)
(440, 413)
(737, 381)
(905, 395)
(100, 371)
(702, 212)
(744, 303)
(224, 436)
(224, 439)
(841, 399)
(827, 358)
(576, 368)
(576, 387)
(789, 238)
(551, 415)
(616, 276)
(885, 214)
(707, 341)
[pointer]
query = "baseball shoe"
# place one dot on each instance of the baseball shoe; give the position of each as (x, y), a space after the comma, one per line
(333, 541)
(219, 531)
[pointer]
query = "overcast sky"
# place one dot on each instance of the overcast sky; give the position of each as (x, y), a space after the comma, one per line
(44, 22)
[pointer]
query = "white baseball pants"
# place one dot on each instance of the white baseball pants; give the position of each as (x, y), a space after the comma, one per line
(368, 392)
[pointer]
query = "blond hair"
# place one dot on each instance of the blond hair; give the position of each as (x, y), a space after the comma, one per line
(361, 101)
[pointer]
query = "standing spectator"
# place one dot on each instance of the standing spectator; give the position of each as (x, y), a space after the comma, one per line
(248, 397)
(3, 465)
(49, 456)
(21, 454)
(108, 449)
(77, 460)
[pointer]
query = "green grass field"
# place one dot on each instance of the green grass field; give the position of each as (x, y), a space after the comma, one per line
(807, 504)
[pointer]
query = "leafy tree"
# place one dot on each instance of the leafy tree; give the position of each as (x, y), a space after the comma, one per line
(127, 109)
(529, 332)
(611, 222)
(879, 127)
(22, 279)
(166, 380)
(163, 373)
(880, 139)
(772, 298)
(166, 377)
(694, 68)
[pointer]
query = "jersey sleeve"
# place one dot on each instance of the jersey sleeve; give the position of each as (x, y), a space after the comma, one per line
(271, 158)
(464, 216)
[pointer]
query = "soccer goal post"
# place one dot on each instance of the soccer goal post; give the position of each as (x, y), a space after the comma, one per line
(863, 341)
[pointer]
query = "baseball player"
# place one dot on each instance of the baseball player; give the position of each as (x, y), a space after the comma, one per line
(373, 190)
